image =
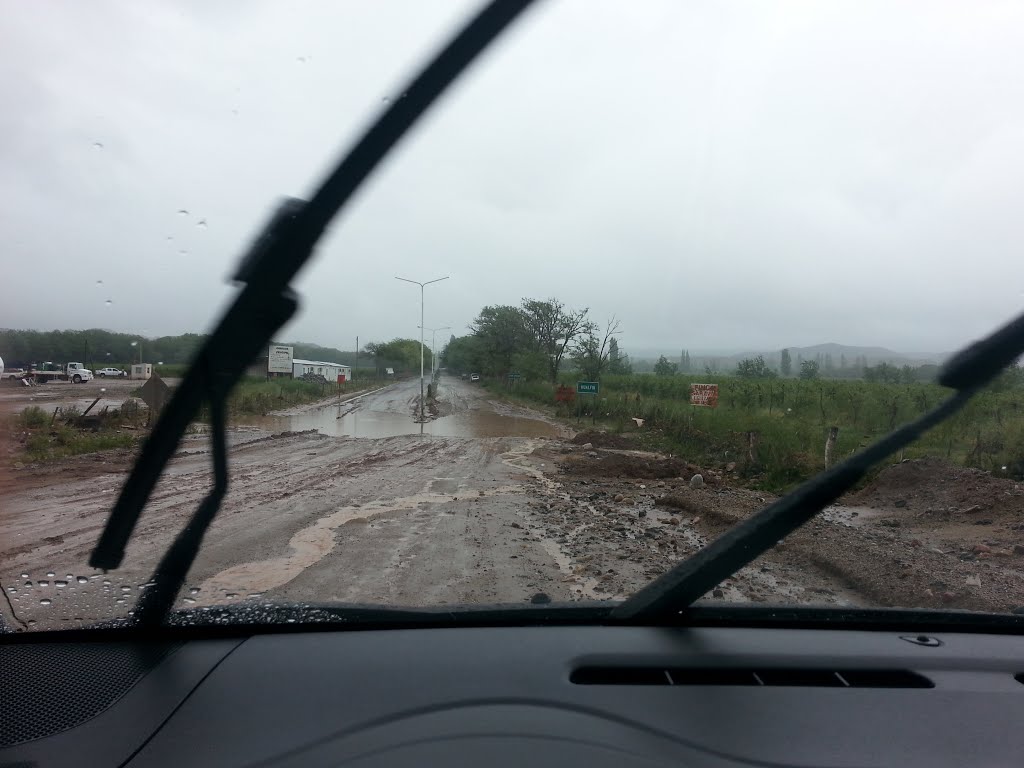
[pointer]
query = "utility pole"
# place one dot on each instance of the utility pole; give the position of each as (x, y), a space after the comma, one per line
(422, 286)
(355, 365)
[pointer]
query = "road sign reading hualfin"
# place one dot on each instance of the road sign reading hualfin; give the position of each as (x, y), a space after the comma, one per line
(587, 387)
(704, 394)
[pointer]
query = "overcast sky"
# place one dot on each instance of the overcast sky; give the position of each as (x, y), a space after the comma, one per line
(728, 175)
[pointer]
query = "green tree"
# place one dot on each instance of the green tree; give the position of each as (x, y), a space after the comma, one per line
(553, 328)
(592, 352)
(618, 362)
(665, 368)
(503, 334)
(754, 368)
(786, 363)
(809, 370)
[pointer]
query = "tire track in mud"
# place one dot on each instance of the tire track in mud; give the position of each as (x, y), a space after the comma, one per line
(311, 544)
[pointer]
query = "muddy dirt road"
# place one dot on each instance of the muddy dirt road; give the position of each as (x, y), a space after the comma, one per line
(485, 503)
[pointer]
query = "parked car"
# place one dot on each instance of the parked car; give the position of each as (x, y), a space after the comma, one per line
(115, 372)
(475, 377)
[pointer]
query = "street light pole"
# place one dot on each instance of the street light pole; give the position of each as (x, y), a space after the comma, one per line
(433, 347)
(422, 286)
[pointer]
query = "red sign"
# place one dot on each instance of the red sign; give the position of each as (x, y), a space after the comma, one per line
(341, 378)
(565, 394)
(704, 394)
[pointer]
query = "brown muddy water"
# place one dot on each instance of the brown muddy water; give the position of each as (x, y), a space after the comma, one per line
(343, 421)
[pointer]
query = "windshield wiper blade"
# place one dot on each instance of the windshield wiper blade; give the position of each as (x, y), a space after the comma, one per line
(265, 303)
(673, 592)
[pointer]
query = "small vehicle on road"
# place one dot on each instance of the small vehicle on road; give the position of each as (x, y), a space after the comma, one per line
(112, 372)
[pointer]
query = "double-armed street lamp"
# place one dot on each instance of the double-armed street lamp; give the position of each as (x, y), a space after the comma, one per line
(422, 286)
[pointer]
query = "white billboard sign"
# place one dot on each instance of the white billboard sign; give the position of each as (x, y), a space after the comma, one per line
(279, 359)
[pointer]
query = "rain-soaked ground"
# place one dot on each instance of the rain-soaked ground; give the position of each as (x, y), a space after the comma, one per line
(391, 412)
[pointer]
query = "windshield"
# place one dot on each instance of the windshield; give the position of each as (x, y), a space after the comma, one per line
(636, 276)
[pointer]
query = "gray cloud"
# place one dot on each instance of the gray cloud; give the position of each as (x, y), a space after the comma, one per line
(732, 175)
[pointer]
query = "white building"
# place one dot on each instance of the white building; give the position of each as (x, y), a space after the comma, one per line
(330, 371)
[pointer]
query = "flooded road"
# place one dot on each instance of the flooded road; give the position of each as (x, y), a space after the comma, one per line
(465, 410)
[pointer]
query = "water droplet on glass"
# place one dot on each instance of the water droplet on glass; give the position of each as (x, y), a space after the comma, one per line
(99, 282)
(108, 302)
(60, 584)
(97, 145)
(126, 588)
(301, 59)
(51, 574)
(193, 590)
(24, 575)
(201, 223)
(119, 601)
(106, 582)
(45, 601)
(386, 100)
(231, 595)
(291, 621)
(183, 253)
(27, 584)
(44, 583)
(12, 589)
(182, 212)
(188, 599)
(70, 576)
(255, 594)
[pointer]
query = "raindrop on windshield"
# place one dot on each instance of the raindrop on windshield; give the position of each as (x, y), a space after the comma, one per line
(51, 574)
(182, 212)
(108, 302)
(99, 282)
(301, 59)
(44, 583)
(83, 580)
(183, 252)
(45, 601)
(28, 584)
(231, 595)
(193, 590)
(188, 599)
(201, 223)
(60, 584)
(126, 588)
(24, 575)
(97, 145)
(106, 582)
(386, 100)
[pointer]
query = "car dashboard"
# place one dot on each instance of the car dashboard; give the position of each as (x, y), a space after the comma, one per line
(513, 696)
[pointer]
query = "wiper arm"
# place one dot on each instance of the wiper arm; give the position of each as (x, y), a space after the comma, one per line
(673, 592)
(264, 305)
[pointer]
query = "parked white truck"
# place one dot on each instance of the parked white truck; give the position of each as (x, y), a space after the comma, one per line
(73, 372)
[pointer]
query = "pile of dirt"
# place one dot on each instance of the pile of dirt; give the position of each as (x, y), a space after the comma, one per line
(625, 465)
(604, 440)
(926, 486)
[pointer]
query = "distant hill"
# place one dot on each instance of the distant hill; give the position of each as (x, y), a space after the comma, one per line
(727, 360)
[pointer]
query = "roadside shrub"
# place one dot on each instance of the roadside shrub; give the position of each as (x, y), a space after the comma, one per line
(33, 417)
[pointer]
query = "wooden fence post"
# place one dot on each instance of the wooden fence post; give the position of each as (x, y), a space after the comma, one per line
(830, 445)
(753, 437)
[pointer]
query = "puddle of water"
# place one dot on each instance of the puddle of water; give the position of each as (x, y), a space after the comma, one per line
(343, 421)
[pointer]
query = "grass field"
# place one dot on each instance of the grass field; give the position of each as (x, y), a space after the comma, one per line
(791, 419)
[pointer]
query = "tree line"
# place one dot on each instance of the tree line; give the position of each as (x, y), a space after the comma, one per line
(98, 348)
(536, 339)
